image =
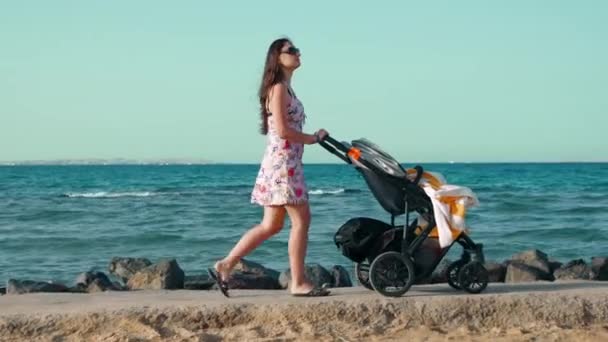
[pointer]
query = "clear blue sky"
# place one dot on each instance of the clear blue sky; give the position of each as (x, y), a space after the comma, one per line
(428, 81)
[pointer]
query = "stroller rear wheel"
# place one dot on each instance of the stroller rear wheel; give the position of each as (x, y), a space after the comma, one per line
(392, 274)
(473, 277)
(362, 273)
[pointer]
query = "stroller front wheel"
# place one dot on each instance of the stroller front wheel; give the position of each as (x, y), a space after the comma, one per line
(453, 272)
(392, 274)
(473, 277)
(362, 273)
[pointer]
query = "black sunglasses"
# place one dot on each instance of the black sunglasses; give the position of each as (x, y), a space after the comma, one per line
(292, 50)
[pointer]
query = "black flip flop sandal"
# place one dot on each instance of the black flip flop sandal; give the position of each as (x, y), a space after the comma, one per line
(220, 283)
(314, 292)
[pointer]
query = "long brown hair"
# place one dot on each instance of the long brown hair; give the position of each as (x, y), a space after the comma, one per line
(272, 75)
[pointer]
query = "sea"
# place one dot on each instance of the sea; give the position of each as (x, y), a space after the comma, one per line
(57, 221)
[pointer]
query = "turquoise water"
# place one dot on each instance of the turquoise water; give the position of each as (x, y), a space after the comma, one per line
(58, 221)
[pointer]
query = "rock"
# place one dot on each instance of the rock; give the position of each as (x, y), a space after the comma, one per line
(125, 268)
(198, 282)
(119, 287)
(166, 274)
(519, 272)
(84, 278)
(496, 271)
(534, 258)
(554, 265)
(78, 289)
(599, 266)
(244, 280)
(341, 277)
(537, 267)
(97, 285)
(246, 266)
(96, 282)
(14, 287)
(575, 269)
(315, 273)
(87, 278)
(248, 274)
(2, 290)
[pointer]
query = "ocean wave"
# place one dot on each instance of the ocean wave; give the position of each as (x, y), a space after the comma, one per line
(331, 191)
(104, 194)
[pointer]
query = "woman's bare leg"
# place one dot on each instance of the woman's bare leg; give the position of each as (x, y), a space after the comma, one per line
(272, 223)
(298, 242)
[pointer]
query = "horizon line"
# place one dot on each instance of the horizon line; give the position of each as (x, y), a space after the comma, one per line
(127, 162)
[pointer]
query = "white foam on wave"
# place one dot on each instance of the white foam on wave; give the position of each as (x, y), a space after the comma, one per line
(326, 192)
(104, 194)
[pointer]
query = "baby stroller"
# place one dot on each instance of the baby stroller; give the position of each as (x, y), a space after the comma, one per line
(390, 258)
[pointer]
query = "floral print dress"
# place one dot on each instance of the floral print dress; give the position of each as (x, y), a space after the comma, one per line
(280, 180)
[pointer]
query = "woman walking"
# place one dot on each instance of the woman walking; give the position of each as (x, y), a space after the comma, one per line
(280, 187)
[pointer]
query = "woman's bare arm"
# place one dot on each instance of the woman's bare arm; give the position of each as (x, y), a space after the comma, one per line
(278, 102)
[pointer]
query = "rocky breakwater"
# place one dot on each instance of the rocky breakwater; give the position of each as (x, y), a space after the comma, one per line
(131, 274)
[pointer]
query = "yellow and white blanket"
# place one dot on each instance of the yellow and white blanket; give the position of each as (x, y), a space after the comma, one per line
(450, 204)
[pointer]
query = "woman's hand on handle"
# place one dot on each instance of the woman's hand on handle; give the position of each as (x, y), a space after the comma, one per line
(320, 135)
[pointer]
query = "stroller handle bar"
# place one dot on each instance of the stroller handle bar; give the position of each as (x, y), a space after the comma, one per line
(335, 147)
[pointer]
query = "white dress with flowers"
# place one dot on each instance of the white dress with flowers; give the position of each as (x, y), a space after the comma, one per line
(280, 180)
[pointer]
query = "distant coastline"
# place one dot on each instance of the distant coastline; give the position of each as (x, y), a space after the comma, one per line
(101, 162)
(177, 162)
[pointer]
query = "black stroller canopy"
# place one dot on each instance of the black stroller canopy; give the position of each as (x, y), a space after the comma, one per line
(385, 177)
(372, 153)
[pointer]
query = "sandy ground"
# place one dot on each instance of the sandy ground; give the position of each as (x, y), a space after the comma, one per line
(542, 311)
